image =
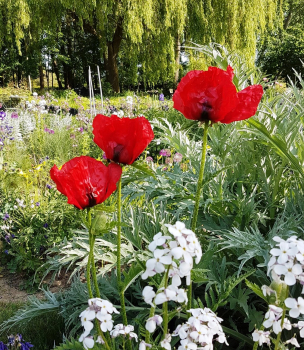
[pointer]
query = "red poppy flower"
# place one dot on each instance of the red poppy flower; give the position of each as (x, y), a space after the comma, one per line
(86, 181)
(211, 95)
(122, 139)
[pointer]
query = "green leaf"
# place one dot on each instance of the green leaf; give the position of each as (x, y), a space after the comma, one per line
(256, 289)
(199, 275)
(238, 336)
(72, 344)
(131, 275)
(144, 168)
(278, 145)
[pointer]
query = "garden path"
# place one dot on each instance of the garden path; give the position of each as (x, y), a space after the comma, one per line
(11, 287)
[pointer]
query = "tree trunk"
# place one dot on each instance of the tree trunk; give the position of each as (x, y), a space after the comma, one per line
(111, 57)
(41, 76)
(288, 18)
(56, 71)
(177, 59)
(70, 74)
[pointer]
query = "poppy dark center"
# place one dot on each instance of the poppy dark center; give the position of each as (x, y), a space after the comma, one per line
(206, 110)
(92, 199)
(116, 152)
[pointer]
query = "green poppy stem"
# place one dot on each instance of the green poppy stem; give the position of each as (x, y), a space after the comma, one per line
(94, 275)
(89, 258)
(198, 195)
(120, 287)
(91, 265)
(200, 178)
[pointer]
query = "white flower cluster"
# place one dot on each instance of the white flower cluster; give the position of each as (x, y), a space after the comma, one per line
(199, 331)
(286, 266)
(120, 329)
(273, 318)
(287, 260)
(176, 252)
(101, 310)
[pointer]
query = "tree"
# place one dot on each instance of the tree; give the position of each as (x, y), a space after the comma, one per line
(144, 37)
(281, 51)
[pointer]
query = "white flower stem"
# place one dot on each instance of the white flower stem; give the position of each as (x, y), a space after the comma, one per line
(277, 341)
(147, 338)
(165, 306)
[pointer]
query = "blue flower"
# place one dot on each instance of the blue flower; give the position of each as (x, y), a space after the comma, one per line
(161, 97)
(46, 225)
(5, 252)
(26, 346)
(3, 346)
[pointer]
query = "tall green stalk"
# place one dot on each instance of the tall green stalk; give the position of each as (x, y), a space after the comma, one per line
(94, 275)
(200, 178)
(89, 258)
(165, 306)
(91, 265)
(198, 195)
(120, 287)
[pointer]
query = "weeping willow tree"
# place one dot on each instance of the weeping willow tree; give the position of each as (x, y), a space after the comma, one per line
(140, 37)
(14, 19)
(236, 24)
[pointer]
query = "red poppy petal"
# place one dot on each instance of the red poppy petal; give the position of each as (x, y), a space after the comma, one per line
(86, 181)
(248, 101)
(206, 95)
(122, 139)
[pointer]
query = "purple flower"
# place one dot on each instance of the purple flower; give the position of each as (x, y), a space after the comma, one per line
(6, 216)
(48, 186)
(3, 346)
(6, 252)
(177, 158)
(165, 152)
(37, 204)
(7, 238)
(46, 225)
(2, 115)
(161, 97)
(13, 236)
(46, 129)
(26, 346)
(51, 131)
(149, 160)
(80, 130)
(104, 156)
(14, 115)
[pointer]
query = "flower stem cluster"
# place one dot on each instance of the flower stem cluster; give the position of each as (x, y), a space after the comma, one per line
(125, 331)
(172, 253)
(200, 329)
(100, 310)
(286, 268)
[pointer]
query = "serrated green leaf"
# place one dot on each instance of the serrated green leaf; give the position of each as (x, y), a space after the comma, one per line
(199, 275)
(72, 344)
(144, 168)
(131, 275)
(256, 289)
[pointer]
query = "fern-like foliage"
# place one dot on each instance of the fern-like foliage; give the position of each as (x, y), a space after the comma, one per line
(71, 344)
(217, 294)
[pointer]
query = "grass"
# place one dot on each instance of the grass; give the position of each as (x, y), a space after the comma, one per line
(42, 332)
